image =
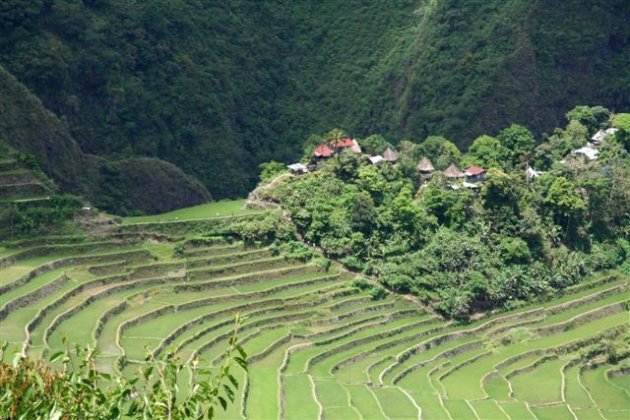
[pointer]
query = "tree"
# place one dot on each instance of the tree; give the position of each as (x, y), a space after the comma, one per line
(622, 122)
(374, 144)
(270, 170)
(344, 165)
(440, 151)
(502, 194)
(363, 213)
(566, 204)
(371, 180)
(517, 141)
(487, 151)
(590, 117)
(335, 134)
(449, 207)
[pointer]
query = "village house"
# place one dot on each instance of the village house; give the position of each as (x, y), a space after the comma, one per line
(475, 174)
(355, 147)
(425, 167)
(453, 172)
(323, 152)
(297, 169)
(342, 144)
(390, 155)
(588, 152)
(598, 138)
(376, 160)
(602, 135)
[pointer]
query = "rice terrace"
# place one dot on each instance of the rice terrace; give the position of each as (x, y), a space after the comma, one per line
(315, 210)
(319, 344)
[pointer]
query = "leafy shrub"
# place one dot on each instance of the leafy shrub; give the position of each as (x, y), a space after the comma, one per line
(297, 250)
(377, 293)
(27, 218)
(270, 170)
(179, 251)
(36, 389)
(353, 262)
(264, 230)
(361, 284)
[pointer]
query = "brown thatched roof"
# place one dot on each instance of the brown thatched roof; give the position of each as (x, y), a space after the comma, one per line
(425, 165)
(453, 172)
(389, 155)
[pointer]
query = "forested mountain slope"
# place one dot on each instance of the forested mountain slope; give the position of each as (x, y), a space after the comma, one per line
(126, 185)
(218, 87)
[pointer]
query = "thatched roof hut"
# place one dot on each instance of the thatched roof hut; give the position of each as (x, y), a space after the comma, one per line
(453, 172)
(355, 147)
(425, 166)
(389, 155)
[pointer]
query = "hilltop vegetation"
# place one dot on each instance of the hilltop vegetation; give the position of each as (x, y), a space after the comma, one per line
(216, 88)
(473, 247)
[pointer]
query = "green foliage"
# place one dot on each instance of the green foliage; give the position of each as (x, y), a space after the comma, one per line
(486, 152)
(179, 251)
(265, 230)
(378, 293)
(375, 292)
(270, 170)
(518, 143)
(590, 117)
(76, 389)
(374, 144)
(463, 250)
(514, 251)
(344, 165)
(440, 151)
(178, 81)
(564, 200)
(622, 122)
(451, 208)
(297, 250)
(29, 219)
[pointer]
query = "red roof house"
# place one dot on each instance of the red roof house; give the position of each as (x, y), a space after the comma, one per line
(343, 143)
(323, 151)
(474, 170)
(475, 173)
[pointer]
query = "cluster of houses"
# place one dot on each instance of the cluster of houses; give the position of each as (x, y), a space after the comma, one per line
(590, 150)
(471, 177)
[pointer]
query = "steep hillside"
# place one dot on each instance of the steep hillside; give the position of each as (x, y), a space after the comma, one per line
(461, 68)
(218, 88)
(122, 186)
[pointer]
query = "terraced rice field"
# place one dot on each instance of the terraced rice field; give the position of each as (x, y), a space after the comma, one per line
(318, 347)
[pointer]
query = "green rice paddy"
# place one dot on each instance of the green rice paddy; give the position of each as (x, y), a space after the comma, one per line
(318, 347)
(223, 208)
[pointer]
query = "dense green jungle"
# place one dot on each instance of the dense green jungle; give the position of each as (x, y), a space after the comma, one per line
(218, 87)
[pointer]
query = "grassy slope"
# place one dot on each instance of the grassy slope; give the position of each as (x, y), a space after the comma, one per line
(202, 211)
